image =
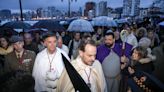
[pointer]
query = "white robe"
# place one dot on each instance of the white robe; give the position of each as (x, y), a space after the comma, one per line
(42, 65)
(97, 79)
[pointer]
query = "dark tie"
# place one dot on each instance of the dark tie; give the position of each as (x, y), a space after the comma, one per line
(19, 58)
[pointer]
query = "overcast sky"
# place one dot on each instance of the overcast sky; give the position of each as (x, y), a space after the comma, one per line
(33, 4)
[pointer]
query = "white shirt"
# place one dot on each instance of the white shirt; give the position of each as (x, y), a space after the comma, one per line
(132, 40)
(42, 66)
(75, 48)
(65, 48)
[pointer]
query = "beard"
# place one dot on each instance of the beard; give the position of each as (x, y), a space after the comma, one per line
(109, 45)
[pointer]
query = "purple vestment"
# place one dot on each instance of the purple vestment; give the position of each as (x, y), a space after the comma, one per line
(103, 51)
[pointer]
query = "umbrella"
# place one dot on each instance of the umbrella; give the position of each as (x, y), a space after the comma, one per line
(37, 30)
(104, 21)
(121, 21)
(161, 23)
(7, 31)
(80, 25)
(51, 25)
(67, 21)
(31, 22)
(63, 22)
(16, 25)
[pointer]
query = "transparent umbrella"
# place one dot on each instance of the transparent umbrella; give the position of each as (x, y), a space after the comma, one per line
(104, 21)
(80, 25)
(121, 21)
(161, 23)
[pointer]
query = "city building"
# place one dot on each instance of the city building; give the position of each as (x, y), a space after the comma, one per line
(155, 11)
(5, 14)
(39, 12)
(80, 12)
(49, 12)
(102, 8)
(160, 4)
(143, 12)
(131, 8)
(90, 8)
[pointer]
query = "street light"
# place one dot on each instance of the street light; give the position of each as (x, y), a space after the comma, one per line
(20, 4)
(69, 7)
(21, 16)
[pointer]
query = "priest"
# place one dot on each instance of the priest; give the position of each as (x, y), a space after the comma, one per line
(111, 54)
(87, 67)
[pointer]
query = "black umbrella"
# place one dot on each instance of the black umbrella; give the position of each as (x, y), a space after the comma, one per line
(51, 25)
(16, 25)
(36, 30)
(7, 31)
(77, 81)
(65, 23)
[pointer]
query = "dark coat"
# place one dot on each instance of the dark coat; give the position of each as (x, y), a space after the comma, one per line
(151, 82)
(2, 60)
(32, 47)
(147, 67)
(159, 62)
(127, 78)
(12, 62)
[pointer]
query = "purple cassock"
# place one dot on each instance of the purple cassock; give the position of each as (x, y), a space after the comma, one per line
(110, 60)
(103, 51)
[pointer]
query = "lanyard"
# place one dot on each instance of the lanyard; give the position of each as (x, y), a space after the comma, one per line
(88, 77)
(50, 61)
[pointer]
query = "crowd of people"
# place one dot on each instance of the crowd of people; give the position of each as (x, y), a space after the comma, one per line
(126, 59)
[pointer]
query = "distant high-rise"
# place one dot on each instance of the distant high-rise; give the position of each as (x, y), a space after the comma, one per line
(102, 8)
(39, 12)
(90, 8)
(51, 11)
(126, 7)
(48, 12)
(5, 14)
(80, 11)
(159, 3)
(45, 13)
(131, 7)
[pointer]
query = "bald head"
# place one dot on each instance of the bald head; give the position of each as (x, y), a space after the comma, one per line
(60, 42)
(28, 38)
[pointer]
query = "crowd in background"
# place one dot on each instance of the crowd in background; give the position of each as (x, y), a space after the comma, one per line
(147, 48)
